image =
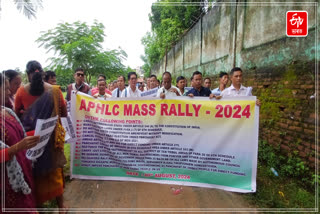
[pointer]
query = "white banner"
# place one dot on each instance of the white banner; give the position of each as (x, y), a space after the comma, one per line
(184, 141)
(44, 128)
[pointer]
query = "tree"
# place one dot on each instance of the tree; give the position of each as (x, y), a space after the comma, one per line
(170, 19)
(146, 66)
(28, 7)
(80, 45)
(64, 78)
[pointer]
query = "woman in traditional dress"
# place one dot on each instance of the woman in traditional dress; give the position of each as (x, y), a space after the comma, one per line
(15, 80)
(18, 184)
(40, 100)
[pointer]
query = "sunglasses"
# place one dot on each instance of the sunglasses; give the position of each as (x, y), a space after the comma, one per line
(80, 75)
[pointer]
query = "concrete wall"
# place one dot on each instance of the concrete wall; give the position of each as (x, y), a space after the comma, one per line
(281, 69)
(261, 36)
(245, 34)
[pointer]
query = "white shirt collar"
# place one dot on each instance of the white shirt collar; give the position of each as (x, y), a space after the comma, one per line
(129, 89)
(241, 87)
(162, 88)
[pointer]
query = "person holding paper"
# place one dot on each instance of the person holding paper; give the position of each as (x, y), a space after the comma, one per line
(40, 100)
(236, 88)
(18, 179)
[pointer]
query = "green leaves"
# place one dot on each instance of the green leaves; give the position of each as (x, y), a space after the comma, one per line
(169, 20)
(289, 165)
(80, 45)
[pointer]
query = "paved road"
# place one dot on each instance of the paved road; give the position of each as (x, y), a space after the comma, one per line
(130, 197)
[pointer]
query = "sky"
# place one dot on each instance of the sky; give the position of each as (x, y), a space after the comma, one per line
(125, 21)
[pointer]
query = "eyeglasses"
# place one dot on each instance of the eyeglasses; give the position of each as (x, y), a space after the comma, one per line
(80, 75)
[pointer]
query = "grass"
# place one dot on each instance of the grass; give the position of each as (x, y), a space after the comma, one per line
(293, 188)
(280, 192)
(66, 169)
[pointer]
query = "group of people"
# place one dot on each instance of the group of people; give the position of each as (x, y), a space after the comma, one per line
(165, 89)
(29, 184)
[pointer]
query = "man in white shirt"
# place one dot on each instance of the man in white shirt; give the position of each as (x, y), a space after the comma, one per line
(153, 82)
(237, 89)
(167, 91)
(121, 86)
(131, 90)
(148, 83)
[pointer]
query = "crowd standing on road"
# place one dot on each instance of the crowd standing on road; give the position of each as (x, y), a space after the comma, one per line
(28, 185)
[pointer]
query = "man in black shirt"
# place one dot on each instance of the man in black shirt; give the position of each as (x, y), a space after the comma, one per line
(198, 90)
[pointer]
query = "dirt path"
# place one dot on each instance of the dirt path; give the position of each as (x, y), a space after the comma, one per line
(130, 197)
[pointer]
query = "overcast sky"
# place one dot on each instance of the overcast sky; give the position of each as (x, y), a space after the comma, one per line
(125, 21)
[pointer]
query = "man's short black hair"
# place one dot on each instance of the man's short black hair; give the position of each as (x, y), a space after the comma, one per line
(124, 79)
(234, 70)
(79, 69)
(166, 72)
(131, 73)
(180, 78)
(222, 74)
(48, 75)
(207, 78)
(101, 80)
(103, 76)
(151, 76)
(196, 73)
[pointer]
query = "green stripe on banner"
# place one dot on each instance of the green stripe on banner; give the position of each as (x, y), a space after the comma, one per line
(235, 181)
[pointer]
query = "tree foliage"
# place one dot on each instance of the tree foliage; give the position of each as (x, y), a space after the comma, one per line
(80, 45)
(28, 7)
(170, 19)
